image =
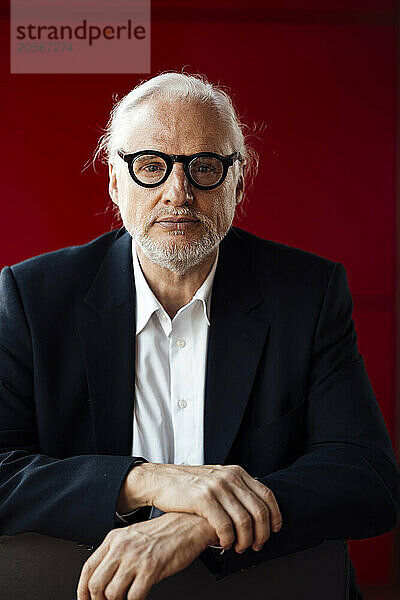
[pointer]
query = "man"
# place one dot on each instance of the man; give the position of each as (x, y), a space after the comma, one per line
(227, 362)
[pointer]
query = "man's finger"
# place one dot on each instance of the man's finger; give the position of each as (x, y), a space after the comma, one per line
(221, 521)
(139, 588)
(122, 578)
(260, 513)
(252, 507)
(268, 497)
(82, 591)
(102, 576)
(241, 518)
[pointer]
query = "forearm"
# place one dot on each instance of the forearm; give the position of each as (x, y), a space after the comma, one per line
(331, 493)
(72, 487)
(192, 527)
(204, 529)
(135, 491)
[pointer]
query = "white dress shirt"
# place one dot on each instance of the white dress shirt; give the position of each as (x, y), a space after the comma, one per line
(171, 357)
(170, 374)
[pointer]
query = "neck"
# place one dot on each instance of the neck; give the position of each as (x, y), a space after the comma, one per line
(171, 289)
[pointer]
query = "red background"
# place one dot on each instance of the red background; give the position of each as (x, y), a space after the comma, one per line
(318, 78)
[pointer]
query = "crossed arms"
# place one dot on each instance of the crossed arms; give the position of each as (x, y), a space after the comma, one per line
(204, 505)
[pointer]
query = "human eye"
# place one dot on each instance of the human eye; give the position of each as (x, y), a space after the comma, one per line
(204, 166)
(206, 170)
(153, 167)
(150, 164)
(149, 168)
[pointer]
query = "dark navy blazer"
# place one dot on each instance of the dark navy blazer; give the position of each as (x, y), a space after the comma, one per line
(287, 394)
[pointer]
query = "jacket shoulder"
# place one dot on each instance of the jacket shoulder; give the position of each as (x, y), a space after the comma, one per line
(64, 260)
(287, 271)
(62, 276)
(280, 254)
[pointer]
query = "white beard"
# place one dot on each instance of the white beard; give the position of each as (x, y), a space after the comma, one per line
(179, 257)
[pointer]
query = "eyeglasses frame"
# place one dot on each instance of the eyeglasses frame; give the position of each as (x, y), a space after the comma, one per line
(170, 159)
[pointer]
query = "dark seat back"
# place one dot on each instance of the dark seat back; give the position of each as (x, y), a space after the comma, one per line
(37, 567)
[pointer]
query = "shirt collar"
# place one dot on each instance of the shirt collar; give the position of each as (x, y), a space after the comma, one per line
(147, 303)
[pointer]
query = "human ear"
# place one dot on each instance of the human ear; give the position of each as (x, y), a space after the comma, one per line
(112, 183)
(239, 190)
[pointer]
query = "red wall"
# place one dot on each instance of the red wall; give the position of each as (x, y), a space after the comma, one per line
(318, 80)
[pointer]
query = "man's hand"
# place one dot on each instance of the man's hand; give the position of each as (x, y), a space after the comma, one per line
(132, 559)
(236, 505)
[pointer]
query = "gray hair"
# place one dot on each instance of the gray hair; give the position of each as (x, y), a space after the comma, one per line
(177, 86)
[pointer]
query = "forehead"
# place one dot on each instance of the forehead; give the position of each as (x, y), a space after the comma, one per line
(176, 127)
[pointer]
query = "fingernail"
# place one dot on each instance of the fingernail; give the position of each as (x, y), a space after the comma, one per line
(258, 548)
(277, 527)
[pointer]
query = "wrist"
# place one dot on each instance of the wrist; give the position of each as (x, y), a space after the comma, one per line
(140, 482)
(134, 492)
(205, 531)
(198, 527)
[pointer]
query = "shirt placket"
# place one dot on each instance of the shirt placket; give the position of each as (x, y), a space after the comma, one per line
(182, 397)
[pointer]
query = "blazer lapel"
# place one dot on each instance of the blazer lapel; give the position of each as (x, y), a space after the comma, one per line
(108, 339)
(238, 333)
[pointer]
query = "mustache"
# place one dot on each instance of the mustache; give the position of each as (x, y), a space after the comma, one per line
(175, 212)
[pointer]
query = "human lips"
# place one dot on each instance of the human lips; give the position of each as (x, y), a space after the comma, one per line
(176, 220)
(182, 223)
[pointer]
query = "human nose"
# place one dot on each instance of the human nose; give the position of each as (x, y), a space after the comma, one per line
(177, 189)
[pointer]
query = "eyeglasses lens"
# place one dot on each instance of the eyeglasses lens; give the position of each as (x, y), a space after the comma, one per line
(149, 169)
(206, 170)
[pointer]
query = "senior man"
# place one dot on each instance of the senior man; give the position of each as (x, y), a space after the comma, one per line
(184, 364)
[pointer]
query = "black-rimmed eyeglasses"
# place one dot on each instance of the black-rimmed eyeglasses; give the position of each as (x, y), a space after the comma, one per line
(204, 170)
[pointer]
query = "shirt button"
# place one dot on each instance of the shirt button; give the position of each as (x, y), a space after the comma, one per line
(182, 403)
(180, 343)
(164, 318)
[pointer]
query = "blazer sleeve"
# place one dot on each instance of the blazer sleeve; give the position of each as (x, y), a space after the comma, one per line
(346, 484)
(72, 498)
